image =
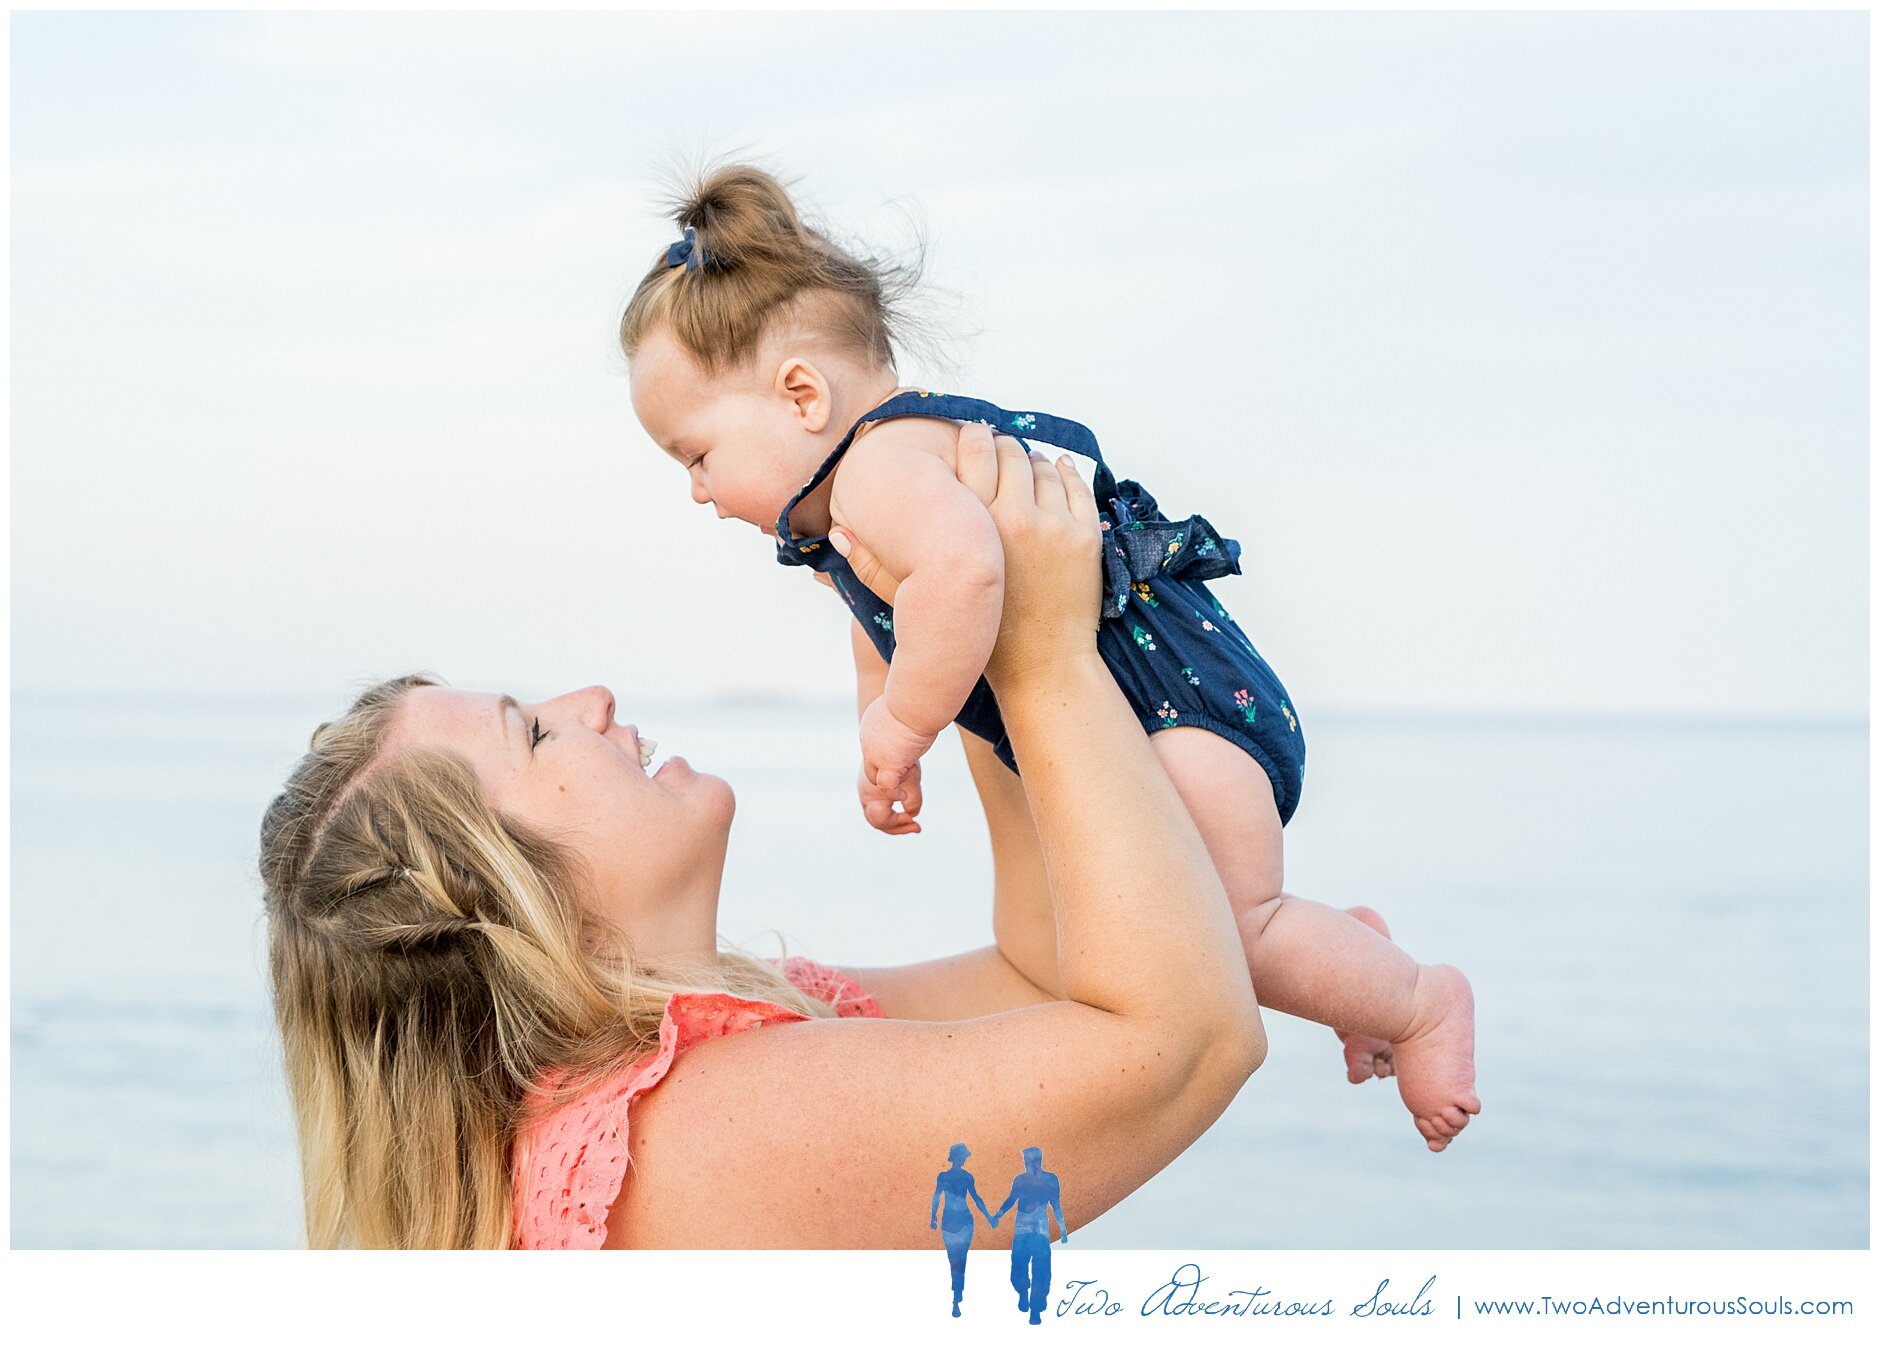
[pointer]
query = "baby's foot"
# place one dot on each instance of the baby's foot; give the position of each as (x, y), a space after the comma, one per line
(1365, 1056)
(1436, 1061)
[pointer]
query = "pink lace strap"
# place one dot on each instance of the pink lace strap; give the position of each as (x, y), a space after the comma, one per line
(838, 989)
(571, 1162)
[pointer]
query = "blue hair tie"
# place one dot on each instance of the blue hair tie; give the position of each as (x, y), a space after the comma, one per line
(687, 252)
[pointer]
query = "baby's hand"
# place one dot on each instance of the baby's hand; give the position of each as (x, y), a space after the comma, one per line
(890, 748)
(879, 807)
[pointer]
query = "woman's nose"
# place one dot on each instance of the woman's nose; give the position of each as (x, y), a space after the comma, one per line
(592, 707)
(600, 706)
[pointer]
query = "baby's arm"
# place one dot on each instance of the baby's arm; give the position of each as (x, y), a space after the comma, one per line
(897, 494)
(871, 678)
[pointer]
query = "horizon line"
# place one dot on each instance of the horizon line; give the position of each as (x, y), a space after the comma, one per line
(755, 699)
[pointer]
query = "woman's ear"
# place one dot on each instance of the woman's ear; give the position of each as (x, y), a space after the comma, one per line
(803, 385)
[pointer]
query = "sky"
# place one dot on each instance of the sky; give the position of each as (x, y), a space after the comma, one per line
(1525, 355)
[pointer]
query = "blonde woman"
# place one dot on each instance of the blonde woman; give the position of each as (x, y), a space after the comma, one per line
(507, 1021)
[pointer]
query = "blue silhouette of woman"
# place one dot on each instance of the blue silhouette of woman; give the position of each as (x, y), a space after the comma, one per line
(956, 1228)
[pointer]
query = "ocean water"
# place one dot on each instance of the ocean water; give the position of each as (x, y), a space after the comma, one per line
(1666, 925)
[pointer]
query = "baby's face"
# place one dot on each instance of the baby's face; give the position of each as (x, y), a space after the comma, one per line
(742, 443)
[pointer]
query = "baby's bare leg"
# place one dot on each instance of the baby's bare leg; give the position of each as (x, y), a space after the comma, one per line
(1366, 1056)
(1313, 961)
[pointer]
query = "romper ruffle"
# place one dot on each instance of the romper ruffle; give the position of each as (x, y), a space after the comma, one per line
(571, 1163)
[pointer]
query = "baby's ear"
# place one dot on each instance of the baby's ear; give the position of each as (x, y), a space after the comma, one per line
(803, 385)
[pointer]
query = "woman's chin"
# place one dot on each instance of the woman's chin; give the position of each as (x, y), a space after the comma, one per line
(708, 793)
(712, 790)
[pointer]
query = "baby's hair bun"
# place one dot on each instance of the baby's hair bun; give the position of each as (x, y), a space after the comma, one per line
(745, 257)
(744, 218)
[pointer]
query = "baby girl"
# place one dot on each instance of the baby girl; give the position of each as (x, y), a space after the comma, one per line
(762, 361)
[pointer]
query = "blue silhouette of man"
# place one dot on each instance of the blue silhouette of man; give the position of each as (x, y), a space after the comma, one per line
(1036, 1195)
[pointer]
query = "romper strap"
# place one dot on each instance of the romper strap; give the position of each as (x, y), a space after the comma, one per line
(1022, 425)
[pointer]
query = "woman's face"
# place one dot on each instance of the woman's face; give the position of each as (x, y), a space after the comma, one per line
(651, 840)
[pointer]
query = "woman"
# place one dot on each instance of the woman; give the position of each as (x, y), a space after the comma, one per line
(955, 1186)
(492, 934)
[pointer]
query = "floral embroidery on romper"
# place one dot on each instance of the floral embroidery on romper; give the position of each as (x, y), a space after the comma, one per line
(1244, 702)
(1144, 638)
(1167, 713)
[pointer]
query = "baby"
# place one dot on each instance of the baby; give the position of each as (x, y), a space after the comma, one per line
(762, 361)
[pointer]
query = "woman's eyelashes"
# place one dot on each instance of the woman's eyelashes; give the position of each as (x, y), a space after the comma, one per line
(535, 733)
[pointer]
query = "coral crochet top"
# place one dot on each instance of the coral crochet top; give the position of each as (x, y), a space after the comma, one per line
(571, 1163)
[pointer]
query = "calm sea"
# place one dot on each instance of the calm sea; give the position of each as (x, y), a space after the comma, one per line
(1666, 924)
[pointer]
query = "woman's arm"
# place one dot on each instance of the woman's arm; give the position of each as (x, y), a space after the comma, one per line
(1021, 969)
(1022, 920)
(1158, 1031)
(960, 987)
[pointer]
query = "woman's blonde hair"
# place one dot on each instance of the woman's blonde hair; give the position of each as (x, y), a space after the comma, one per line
(432, 969)
(751, 257)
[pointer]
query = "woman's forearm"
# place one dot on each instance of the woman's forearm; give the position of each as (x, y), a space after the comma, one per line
(1023, 922)
(1143, 925)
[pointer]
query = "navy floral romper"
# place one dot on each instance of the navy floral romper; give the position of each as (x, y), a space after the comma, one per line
(1176, 655)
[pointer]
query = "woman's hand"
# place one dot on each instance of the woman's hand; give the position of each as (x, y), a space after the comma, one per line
(1047, 522)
